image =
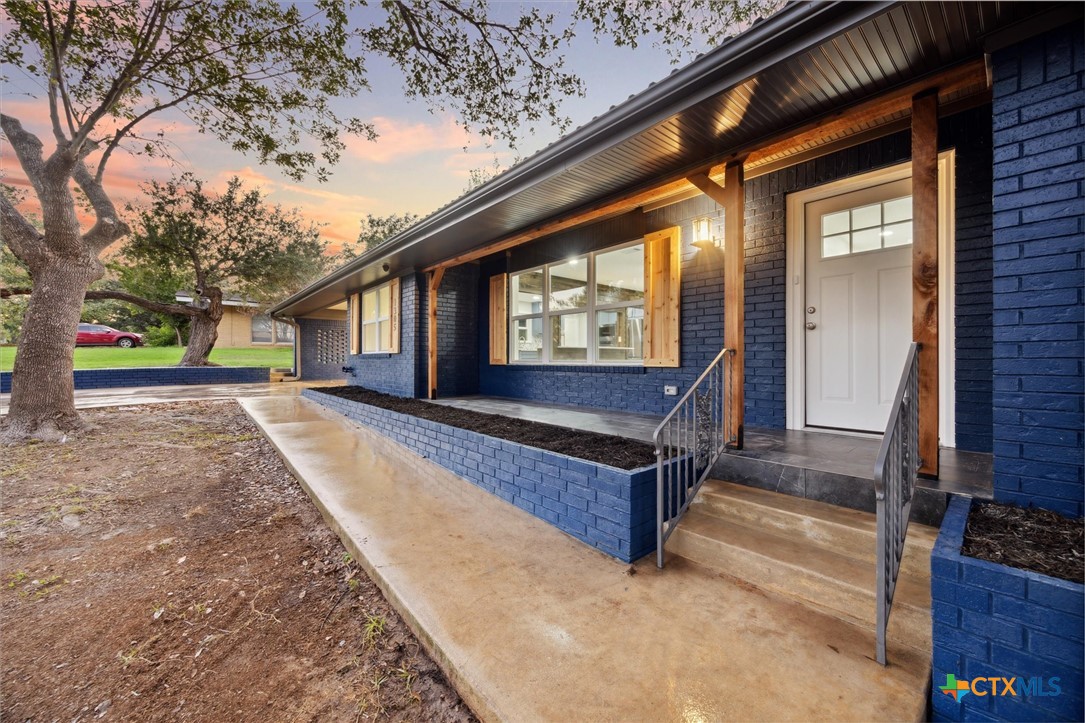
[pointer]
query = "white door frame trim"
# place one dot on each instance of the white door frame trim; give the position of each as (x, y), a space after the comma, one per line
(795, 288)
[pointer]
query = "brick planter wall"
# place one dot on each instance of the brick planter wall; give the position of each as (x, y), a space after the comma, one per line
(158, 377)
(608, 508)
(993, 620)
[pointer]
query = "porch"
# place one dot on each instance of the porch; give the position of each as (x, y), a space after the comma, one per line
(822, 466)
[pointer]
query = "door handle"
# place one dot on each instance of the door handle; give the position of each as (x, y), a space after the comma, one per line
(811, 325)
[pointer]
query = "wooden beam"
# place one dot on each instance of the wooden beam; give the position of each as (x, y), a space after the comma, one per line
(435, 278)
(733, 200)
(709, 188)
(970, 76)
(925, 271)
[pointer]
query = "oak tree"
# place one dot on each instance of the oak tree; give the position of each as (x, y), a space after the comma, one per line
(257, 75)
(215, 244)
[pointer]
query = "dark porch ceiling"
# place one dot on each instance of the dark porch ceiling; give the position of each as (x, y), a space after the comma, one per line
(807, 61)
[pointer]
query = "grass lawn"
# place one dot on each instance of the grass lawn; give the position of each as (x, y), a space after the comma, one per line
(103, 357)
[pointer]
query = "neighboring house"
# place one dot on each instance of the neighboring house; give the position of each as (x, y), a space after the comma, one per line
(818, 192)
(244, 324)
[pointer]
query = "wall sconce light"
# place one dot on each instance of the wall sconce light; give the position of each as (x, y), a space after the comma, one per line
(707, 233)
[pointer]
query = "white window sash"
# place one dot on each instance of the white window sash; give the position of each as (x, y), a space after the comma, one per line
(590, 309)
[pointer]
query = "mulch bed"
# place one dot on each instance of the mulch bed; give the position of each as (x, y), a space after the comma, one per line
(592, 446)
(1028, 539)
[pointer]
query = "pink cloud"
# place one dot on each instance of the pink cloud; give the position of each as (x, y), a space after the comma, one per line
(400, 139)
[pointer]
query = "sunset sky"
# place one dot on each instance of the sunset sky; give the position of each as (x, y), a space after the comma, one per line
(416, 165)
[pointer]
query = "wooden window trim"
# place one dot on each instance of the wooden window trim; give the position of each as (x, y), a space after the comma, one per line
(391, 316)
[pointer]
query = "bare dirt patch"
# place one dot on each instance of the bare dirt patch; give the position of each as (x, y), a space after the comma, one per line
(608, 449)
(166, 566)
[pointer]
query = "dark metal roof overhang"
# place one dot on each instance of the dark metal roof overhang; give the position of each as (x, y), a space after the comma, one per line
(807, 61)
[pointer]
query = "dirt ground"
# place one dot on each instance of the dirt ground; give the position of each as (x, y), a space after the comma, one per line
(603, 448)
(166, 566)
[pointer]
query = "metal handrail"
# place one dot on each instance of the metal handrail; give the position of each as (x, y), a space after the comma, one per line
(688, 442)
(895, 474)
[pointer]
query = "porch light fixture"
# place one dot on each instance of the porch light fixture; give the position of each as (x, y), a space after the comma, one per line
(706, 233)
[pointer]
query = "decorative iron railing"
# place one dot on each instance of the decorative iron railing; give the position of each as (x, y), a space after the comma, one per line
(688, 442)
(895, 475)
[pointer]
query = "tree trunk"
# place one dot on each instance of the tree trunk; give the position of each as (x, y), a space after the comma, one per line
(203, 331)
(42, 387)
(177, 331)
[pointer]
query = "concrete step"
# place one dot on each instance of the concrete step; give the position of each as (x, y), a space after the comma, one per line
(289, 378)
(276, 376)
(839, 529)
(788, 565)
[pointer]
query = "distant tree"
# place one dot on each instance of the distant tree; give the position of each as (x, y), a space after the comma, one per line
(212, 244)
(483, 174)
(13, 275)
(375, 231)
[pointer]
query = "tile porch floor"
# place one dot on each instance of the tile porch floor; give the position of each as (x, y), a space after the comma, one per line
(962, 472)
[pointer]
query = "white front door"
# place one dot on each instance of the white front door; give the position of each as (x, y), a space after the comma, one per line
(858, 304)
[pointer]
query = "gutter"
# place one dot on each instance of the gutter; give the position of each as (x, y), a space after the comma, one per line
(795, 28)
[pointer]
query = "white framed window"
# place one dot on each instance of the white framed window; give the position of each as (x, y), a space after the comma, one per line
(587, 309)
(872, 227)
(377, 320)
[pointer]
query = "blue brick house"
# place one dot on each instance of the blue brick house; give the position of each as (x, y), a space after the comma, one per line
(1009, 139)
(814, 195)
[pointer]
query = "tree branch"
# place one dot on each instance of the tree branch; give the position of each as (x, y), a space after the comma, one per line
(108, 226)
(27, 149)
(149, 36)
(155, 306)
(56, 73)
(25, 241)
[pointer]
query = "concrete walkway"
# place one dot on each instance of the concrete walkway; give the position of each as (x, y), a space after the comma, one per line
(531, 625)
(126, 396)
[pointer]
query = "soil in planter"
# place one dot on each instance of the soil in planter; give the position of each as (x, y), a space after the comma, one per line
(603, 448)
(1028, 539)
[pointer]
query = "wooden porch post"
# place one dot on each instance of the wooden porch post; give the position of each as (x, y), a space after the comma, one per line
(435, 277)
(732, 196)
(925, 270)
(734, 286)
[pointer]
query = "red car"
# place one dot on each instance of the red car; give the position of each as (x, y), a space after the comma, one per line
(101, 335)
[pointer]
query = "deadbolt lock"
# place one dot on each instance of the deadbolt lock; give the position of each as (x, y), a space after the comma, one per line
(810, 310)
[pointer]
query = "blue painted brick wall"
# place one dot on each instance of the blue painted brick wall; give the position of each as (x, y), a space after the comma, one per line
(1039, 240)
(397, 373)
(457, 333)
(995, 620)
(157, 377)
(610, 509)
(316, 365)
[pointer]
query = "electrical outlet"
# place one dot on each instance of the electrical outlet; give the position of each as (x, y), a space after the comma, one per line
(670, 390)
